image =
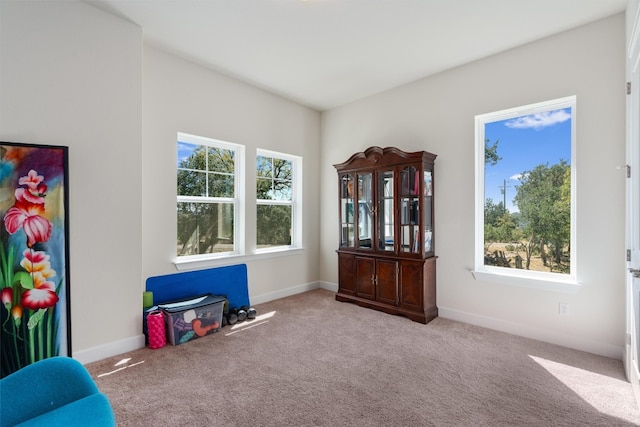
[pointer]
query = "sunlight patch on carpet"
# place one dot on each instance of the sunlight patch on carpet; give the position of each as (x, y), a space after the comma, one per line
(123, 364)
(248, 324)
(588, 385)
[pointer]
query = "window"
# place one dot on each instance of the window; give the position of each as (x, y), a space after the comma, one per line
(525, 194)
(278, 196)
(209, 189)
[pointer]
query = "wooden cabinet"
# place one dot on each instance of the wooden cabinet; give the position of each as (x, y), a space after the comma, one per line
(386, 255)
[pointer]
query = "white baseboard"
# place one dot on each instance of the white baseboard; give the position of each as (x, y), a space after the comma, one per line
(333, 287)
(589, 346)
(110, 349)
(632, 372)
(270, 296)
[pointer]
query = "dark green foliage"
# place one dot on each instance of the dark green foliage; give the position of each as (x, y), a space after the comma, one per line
(207, 226)
(273, 225)
(491, 153)
(274, 183)
(544, 200)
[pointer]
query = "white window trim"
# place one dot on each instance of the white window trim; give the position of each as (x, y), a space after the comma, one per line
(238, 200)
(559, 282)
(240, 255)
(296, 202)
(228, 259)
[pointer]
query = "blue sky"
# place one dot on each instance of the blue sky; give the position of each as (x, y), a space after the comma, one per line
(524, 143)
(185, 150)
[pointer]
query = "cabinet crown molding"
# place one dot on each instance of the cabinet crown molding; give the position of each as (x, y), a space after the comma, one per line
(388, 155)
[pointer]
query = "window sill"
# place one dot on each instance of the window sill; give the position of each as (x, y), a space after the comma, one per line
(547, 282)
(227, 259)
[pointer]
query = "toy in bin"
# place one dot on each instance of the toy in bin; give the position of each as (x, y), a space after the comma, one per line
(192, 318)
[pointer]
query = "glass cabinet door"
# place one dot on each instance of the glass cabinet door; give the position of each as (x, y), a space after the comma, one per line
(386, 212)
(388, 209)
(428, 211)
(365, 212)
(347, 217)
(410, 210)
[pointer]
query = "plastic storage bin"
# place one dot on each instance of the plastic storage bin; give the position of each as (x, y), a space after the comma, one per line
(193, 318)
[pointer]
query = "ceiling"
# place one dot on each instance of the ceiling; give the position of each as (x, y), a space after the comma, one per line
(326, 53)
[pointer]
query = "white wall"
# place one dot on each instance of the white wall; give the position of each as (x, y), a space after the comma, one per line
(72, 75)
(180, 96)
(437, 114)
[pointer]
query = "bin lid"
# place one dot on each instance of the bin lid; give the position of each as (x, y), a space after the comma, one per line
(190, 303)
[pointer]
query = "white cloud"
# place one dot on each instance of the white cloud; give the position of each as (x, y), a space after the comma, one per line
(516, 177)
(540, 120)
(185, 150)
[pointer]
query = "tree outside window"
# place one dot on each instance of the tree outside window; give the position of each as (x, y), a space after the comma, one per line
(275, 200)
(206, 196)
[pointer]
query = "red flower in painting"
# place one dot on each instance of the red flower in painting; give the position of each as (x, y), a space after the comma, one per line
(42, 295)
(27, 213)
(37, 262)
(7, 297)
(27, 216)
(16, 313)
(35, 189)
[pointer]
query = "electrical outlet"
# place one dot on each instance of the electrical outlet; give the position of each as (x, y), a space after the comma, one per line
(563, 309)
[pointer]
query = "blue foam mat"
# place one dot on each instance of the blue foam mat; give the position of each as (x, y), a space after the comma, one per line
(230, 281)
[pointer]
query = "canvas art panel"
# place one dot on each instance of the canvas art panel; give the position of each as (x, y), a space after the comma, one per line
(34, 254)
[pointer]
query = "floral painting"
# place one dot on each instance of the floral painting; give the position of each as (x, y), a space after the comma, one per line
(34, 266)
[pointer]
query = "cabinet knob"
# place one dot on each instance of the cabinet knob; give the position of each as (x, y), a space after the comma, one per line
(635, 272)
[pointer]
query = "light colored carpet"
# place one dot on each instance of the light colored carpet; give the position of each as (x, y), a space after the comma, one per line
(308, 360)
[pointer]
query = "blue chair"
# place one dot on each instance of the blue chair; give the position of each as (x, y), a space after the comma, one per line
(53, 392)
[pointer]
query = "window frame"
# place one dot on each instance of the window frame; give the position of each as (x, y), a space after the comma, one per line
(237, 200)
(511, 276)
(295, 202)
